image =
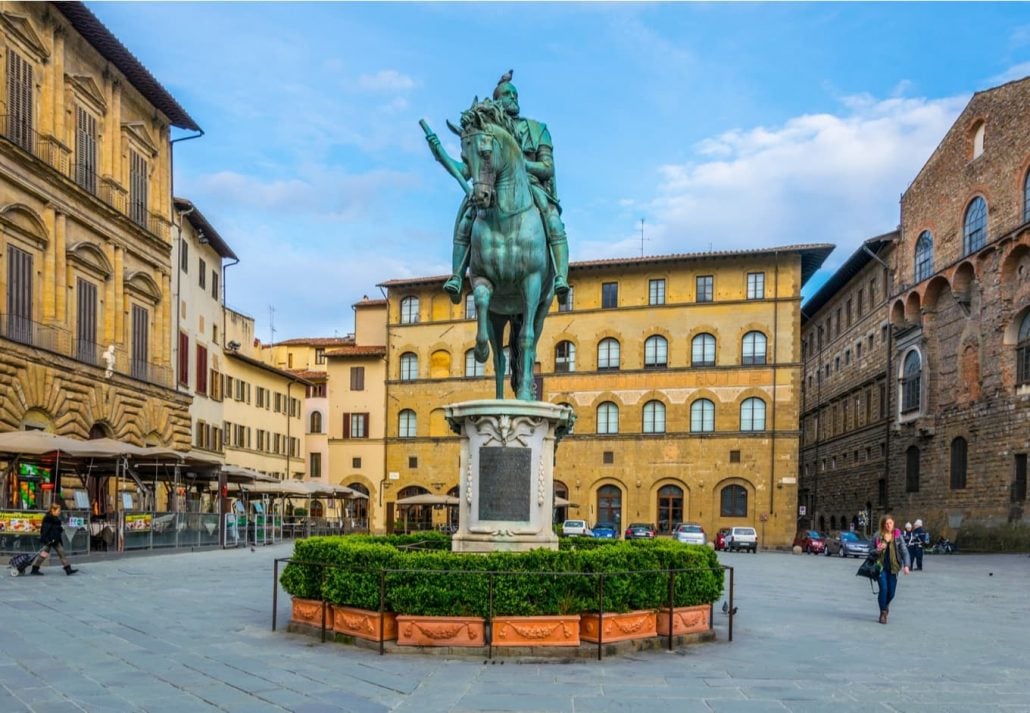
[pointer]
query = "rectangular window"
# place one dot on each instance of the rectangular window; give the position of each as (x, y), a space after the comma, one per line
(357, 378)
(847, 311)
(320, 355)
(355, 425)
(470, 306)
(214, 284)
(19, 295)
(201, 369)
(215, 381)
(355, 462)
(705, 285)
(756, 285)
(19, 100)
(837, 331)
(86, 322)
(184, 359)
(609, 295)
(85, 149)
(656, 292)
(861, 301)
(413, 461)
(315, 471)
(140, 341)
(138, 189)
(566, 306)
(1019, 479)
(184, 256)
(202, 273)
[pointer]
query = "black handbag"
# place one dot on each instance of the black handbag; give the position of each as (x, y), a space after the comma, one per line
(870, 568)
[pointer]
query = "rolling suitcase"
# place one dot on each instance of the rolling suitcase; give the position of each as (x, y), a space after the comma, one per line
(20, 563)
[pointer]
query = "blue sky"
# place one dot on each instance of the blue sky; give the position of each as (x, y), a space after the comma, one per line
(723, 126)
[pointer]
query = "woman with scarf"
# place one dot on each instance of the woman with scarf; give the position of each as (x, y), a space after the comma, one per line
(893, 557)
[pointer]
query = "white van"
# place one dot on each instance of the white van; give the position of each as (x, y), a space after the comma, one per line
(742, 538)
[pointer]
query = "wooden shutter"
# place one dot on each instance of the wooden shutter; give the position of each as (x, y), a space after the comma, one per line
(364, 418)
(140, 341)
(86, 321)
(19, 100)
(138, 188)
(85, 149)
(346, 425)
(184, 359)
(201, 369)
(19, 295)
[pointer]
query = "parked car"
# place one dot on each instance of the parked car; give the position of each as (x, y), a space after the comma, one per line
(848, 544)
(605, 530)
(810, 541)
(576, 528)
(741, 538)
(691, 533)
(720, 538)
(640, 530)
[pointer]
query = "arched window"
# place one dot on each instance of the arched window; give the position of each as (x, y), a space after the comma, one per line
(959, 457)
(733, 501)
(608, 354)
(924, 256)
(357, 508)
(316, 422)
(607, 418)
(912, 373)
(1026, 198)
(978, 139)
(975, 232)
(912, 470)
(670, 508)
(409, 366)
(752, 415)
(564, 357)
(409, 310)
(753, 348)
(1023, 352)
(470, 306)
(656, 352)
(473, 367)
(609, 505)
(317, 509)
(415, 517)
(702, 416)
(406, 424)
(654, 417)
(702, 350)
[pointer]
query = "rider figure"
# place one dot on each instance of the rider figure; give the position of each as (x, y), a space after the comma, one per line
(535, 140)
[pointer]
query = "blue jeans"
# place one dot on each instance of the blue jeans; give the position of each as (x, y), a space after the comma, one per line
(888, 585)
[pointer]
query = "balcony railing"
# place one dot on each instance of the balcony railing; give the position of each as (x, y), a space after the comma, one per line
(88, 352)
(25, 331)
(45, 148)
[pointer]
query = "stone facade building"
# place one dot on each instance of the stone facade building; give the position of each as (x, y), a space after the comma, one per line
(85, 233)
(684, 372)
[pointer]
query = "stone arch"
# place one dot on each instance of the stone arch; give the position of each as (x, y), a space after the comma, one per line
(35, 387)
(913, 307)
(90, 257)
(440, 364)
(717, 493)
(935, 288)
(1015, 266)
(963, 278)
(36, 419)
(25, 223)
(143, 285)
(440, 307)
(438, 427)
(897, 312)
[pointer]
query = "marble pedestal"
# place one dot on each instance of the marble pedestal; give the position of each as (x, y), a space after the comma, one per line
(506, 478)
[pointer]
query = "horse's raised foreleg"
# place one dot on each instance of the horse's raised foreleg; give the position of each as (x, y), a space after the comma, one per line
(482, 290)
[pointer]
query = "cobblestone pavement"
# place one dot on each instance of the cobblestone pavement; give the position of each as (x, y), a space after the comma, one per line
(191, 632)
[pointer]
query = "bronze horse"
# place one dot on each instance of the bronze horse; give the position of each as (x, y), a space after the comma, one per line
(510, 269)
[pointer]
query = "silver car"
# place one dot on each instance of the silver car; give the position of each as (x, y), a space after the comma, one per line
(690, 533)
(848, 544)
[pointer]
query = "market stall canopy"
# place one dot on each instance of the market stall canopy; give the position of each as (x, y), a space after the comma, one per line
(236, 474)
(560, 502)
(429, 499)
(37, 443)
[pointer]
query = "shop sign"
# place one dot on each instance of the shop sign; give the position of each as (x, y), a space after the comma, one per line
(20, 523)
(138, 522)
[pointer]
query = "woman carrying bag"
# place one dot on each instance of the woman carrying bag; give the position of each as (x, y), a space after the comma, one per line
(892, 555)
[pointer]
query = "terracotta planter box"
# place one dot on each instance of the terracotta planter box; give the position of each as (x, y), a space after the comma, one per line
(560, 630)
(618, 626)
(363, 623)
(440, 630)
(685, 620)
(309, 611)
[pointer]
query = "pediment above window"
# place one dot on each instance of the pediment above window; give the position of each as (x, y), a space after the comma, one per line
(23, 222)
(143, 285)
(137, 132)
(19, 28)
(88, 91)
(90, 257)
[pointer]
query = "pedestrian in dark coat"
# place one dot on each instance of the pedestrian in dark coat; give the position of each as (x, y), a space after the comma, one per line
(50, 537)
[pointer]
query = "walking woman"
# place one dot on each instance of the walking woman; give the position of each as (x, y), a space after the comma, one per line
(50, 536)
(893, 558)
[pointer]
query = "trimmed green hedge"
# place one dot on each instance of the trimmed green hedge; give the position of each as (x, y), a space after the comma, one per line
(436, 581)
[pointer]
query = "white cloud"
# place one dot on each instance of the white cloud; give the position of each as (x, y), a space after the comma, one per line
(817, 178)
(1012, 73)
(385, 80)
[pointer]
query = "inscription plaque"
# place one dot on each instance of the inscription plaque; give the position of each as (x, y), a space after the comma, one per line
(505, 477)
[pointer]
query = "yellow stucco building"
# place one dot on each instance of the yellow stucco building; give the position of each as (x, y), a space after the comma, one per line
(683, 371)
(85, 232)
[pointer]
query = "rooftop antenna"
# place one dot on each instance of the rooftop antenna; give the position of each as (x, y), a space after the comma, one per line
(271, 324)
(642, 238)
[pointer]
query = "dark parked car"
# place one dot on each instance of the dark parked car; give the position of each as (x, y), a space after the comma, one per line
(720, 538)
(810, 541)
(848, 544)
(605, 531)
(640, 530)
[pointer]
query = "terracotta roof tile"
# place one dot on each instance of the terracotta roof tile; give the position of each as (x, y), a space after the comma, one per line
(357, 351)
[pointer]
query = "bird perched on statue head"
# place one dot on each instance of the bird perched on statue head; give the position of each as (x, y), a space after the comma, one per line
(506, 77)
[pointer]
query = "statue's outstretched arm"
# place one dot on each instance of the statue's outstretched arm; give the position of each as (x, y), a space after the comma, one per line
(455, 168)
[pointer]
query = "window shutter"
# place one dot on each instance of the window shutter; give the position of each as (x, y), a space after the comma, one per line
(346, 425)
(365, 419)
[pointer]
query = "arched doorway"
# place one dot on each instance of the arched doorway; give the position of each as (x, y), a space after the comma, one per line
(609, 506)
(414, 517)
(358, 508)
(561, 512)
(452, 511)
(670, 508)
(317, 509)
